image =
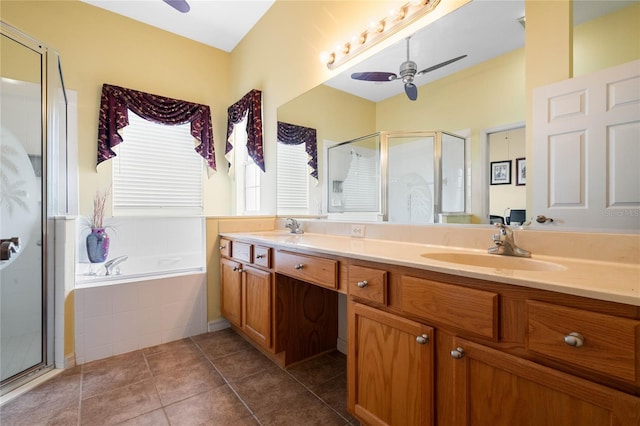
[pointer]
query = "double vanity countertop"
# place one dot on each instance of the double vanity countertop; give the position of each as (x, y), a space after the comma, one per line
(610, 281)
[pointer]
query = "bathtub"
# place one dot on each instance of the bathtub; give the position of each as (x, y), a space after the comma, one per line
(139, 269)
(158, 295)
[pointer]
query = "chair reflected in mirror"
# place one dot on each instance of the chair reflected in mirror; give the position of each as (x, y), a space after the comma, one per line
(493, 219)
(516, 217)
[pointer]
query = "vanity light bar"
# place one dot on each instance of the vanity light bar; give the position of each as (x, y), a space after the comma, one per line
(377, 31)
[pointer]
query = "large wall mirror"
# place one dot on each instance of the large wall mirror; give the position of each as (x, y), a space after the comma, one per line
(481, 97)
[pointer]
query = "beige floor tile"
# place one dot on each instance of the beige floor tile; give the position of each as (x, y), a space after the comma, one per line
(154, 418)
(121, 404)
(300, 409)
(104, 375)
(320, 370)
(181, 383)
(266, 389)
(221, 343)
(242, 364)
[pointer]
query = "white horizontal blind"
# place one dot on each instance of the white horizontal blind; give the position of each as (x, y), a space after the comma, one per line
(157, 171)
(292, 179)
(361, 188)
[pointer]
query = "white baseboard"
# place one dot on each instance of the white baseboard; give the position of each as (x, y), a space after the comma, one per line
(219, 324)
(341, 346)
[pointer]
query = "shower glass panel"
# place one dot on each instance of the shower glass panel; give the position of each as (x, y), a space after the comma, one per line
(354, 176)
(30, 83)
(411, 190)
(453, 176)
(400, 177)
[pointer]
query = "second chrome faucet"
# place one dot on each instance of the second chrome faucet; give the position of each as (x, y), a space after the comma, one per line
(505, 244)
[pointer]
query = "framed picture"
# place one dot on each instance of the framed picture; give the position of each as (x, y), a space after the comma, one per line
(521, 171)
(501, 172)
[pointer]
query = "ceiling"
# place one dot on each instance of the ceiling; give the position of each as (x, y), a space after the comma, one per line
(217, 23)
(481, 29)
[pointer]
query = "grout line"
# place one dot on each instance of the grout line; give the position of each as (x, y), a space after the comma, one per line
(227, 382)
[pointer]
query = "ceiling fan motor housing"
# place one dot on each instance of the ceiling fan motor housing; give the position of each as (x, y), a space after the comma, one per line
(408, 70)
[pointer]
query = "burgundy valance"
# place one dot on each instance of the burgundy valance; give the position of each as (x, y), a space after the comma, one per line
(116, 101)
(291, 134)
(251, 106)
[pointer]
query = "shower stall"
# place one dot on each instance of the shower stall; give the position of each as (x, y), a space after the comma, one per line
(399, 177)
(33, 188)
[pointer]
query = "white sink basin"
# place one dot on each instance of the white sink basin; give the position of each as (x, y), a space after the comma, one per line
(494, 261)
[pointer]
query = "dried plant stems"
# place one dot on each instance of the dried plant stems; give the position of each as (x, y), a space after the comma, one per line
(99, 204)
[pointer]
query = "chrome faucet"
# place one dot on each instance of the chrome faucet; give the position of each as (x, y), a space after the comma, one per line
(294, 226)
(111, 264)
(505, 244)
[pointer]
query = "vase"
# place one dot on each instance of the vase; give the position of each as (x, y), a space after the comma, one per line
(97, 245)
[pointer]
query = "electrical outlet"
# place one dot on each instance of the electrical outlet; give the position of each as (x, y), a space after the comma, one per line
(357, 231)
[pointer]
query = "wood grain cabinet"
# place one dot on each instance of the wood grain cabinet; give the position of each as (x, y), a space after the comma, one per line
(568, 365)
(390, 368)
(247, 291)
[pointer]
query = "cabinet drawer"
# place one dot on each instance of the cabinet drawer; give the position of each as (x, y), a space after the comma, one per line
(225, 247)
(312, 269)
(262, 256)
(368, 283)
(242, 251)
(605, 344)
(475, 311)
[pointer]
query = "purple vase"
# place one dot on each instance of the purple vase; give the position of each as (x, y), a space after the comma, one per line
(97, 245)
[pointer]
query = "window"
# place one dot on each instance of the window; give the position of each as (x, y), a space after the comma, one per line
(157, 171)
(246, 173)
(292, 179)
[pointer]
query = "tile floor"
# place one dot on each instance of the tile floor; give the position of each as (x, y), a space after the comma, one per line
(211, 379)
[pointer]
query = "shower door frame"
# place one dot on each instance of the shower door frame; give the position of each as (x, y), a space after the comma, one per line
(49, 64)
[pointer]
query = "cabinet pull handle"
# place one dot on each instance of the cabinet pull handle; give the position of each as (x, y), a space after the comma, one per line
(363, 284)
(424, 339)
(457, 353)
(237, 269)
(259, 256)
(298, 266)
(222, 247)
(574, 339)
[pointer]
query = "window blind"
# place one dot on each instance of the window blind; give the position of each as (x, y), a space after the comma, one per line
(157, 171)
(292, 180)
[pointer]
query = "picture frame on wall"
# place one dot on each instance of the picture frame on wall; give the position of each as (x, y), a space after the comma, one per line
(521, 171)
(500, 172)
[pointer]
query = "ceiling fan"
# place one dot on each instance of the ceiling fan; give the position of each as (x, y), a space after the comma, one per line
(408, 71)
(179, 5)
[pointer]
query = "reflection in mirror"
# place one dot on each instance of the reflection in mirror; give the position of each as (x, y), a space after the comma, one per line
(507, 145)
(488, 95)
(400, 177)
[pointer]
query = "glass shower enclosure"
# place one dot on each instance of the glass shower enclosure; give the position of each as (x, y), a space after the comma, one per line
(399, 177)
(33, 167)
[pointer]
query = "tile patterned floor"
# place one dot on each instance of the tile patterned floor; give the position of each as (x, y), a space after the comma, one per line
(211, 379)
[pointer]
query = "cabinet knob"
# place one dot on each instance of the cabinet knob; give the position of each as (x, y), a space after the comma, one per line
(574, 339)
(424, 339)
(457, 353)
(222, 247)
(363, 284)
(298, 266)
(237, 269)
(259, 256)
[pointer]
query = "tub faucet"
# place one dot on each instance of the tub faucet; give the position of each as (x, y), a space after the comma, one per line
(505, 244)
(294, 226)
(109, 265)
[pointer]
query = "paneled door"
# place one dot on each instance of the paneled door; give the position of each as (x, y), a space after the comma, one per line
(586, 150)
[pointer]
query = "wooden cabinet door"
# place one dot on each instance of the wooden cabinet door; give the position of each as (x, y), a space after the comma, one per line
(231, 291)
(256, 315)
(390, 371)
(494, 388)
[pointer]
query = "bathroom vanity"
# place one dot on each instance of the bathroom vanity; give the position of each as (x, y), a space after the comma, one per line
(438, 342)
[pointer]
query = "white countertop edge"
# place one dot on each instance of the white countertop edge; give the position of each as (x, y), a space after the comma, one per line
(581, 278)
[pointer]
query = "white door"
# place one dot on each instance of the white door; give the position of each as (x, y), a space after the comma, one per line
(586, 150)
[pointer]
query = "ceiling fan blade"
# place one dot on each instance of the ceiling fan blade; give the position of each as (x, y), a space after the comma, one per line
(411, 90)
(179, 5)
(440, 65)
(374, 76)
